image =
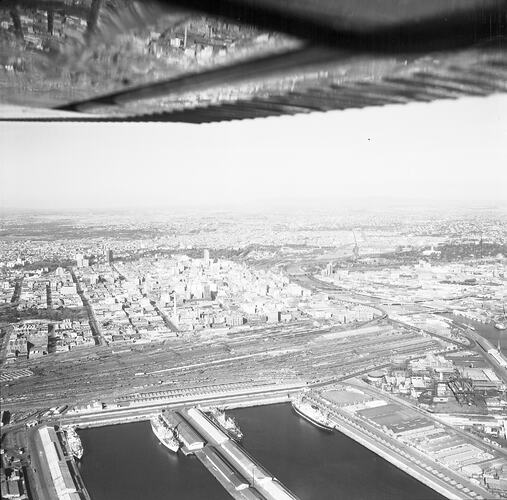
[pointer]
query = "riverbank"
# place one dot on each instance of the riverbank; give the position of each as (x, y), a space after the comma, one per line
(488, 332)
(311, 463)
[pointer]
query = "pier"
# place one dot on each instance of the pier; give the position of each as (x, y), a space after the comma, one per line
(51, 456)
(239, 473)
(444, 481)
(138, 412)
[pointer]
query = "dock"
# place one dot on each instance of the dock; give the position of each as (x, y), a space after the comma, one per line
(435, 476)
(189, 437)
(144, 409)
(58, 476)
(239, 473)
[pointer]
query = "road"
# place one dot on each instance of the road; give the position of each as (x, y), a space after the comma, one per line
(97, 334)
(404, 457)
(239, 398)
(400, 401)
(168, 323)
(164, 316)
(373, 302)
(490, 360)
(246, 398)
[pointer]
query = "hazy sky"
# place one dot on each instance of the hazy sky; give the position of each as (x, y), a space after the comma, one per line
(431, 152)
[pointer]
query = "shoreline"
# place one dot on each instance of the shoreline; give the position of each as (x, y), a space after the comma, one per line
(377, 448)
(144, 414)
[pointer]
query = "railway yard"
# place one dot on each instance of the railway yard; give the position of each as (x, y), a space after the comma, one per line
(412, 367)
(295, 352)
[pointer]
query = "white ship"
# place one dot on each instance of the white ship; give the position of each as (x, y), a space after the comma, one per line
(74, 442)
(165, 434)
(312, 413)
(228, 423)
(501, 325)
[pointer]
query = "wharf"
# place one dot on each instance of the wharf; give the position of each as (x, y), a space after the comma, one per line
(190, 438)
(240, 474)
(231, 481)
(72, 464)
(139, 412)
(56, 475)
(444, 481)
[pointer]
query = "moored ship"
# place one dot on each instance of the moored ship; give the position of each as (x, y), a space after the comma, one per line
(501, 325)
(165, 434)
(312, 413)
(228, 423)
(74, 442)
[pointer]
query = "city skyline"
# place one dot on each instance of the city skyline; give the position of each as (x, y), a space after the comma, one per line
(385, 329)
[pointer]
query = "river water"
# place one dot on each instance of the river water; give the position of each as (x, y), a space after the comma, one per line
(126, 462)
(488, 332)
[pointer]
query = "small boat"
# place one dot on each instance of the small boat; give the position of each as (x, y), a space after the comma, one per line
(500, 326)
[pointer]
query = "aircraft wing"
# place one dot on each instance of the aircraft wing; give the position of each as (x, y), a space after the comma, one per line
(202, 61)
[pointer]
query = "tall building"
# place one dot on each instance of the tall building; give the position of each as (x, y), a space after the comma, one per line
(110, 256)
(175, 312)
(206, 257)
(80, 260)
(328, 271)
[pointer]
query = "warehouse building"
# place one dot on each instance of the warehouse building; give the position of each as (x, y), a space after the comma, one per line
(205, 426)
(190, 439)
(54, 459)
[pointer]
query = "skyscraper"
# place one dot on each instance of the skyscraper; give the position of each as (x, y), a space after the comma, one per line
(80, 260)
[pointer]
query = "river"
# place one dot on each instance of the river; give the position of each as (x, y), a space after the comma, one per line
(126, 462)
(488, 332)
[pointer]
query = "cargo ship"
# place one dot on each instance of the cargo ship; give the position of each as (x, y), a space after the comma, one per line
(165, 434)
(74, 442)
(227, 423)
(501, 324)
(312, 413)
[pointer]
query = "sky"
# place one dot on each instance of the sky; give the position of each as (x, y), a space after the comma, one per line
(422, 152)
